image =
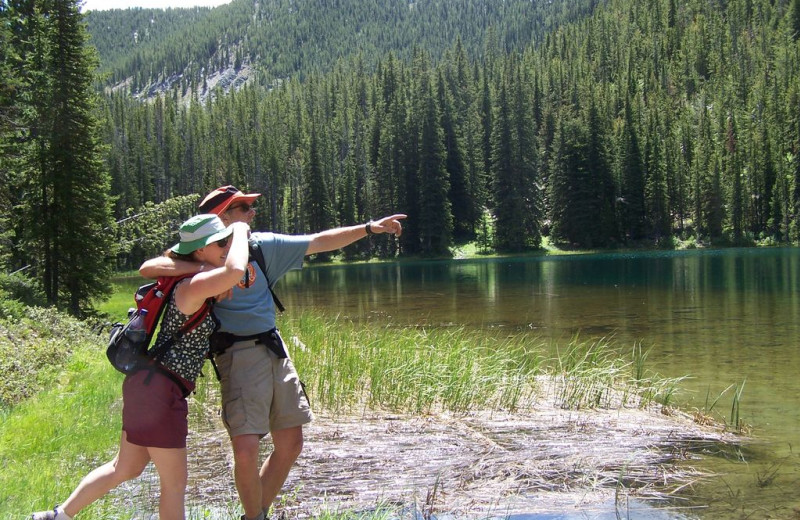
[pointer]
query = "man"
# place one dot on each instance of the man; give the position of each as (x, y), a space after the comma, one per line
(261, 391)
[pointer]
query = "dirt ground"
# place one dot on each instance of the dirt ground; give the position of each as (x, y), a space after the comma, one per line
(541, 463)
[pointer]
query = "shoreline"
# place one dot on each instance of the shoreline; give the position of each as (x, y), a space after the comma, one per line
(540, 463)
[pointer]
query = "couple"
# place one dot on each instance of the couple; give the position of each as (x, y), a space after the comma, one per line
(261, 392)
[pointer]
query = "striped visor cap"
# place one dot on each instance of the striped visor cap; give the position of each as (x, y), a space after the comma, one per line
(220, 199)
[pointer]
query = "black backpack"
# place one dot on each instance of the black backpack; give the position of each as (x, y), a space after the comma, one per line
(258, 255)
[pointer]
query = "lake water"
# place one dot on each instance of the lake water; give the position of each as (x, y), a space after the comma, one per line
(722, 317)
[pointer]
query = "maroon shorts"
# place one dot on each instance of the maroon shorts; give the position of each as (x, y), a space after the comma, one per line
(154, 410)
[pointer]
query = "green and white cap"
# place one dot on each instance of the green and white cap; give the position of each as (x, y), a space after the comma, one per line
(199, 231)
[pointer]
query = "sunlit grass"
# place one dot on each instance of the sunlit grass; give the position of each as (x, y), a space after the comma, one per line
(598, 374)
(49, 442)
(349, 366)
(116, 307)
(412, 370)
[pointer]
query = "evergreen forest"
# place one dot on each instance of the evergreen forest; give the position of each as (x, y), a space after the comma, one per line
(594, 124)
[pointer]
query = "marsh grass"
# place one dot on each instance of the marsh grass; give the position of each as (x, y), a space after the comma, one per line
(411, 370)
(598, 374)
(734, 422)
(349, 366)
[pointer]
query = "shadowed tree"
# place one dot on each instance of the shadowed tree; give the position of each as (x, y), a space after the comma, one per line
(69, 218)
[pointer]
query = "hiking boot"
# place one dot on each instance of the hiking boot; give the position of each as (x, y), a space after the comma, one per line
(45, 515)
(261, 516)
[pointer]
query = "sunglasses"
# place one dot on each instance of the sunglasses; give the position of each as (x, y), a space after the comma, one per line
(244, 208)
(222, 242)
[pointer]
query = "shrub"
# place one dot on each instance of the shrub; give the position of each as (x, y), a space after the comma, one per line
(22, 289)
(35, 343)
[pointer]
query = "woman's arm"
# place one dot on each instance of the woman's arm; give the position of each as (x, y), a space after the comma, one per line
(189, 297)
(166, 266)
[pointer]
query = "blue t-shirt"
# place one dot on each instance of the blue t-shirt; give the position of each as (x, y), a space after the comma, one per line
(252, 309)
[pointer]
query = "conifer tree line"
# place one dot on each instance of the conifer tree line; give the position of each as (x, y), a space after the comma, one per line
(55, 206)
(147, 48)
(648, 121)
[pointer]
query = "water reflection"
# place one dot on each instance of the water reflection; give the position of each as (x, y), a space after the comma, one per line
(641, 294)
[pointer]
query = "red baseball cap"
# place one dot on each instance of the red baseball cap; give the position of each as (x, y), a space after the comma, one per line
(220, 199)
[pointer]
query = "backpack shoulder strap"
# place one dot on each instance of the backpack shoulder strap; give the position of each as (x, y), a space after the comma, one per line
(188, 326)
(258, 255)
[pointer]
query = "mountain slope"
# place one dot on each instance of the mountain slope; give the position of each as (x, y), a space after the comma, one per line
(280, 38)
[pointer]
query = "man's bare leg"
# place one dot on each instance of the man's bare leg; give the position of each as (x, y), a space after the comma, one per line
(288, 444)
(245, 473)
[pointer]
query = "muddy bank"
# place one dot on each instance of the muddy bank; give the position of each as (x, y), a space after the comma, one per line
(542, 460)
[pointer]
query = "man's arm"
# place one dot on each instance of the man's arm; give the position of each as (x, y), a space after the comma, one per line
(338, 238)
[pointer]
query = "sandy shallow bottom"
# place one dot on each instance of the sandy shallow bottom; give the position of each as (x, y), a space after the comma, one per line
(544, 463)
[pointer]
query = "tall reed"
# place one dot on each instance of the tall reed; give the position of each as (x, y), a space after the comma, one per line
(414, 370)
(349, 365)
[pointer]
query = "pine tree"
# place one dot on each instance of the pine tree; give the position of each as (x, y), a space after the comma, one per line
(632, 201)
(71, 216)
(794, 161)
(733, 172)
(10, 120)
(460, 195)
(393, 183)
(602, 199)
(656, 184)
(526, 156)
(436, 218)
(317, 202)
(508, 199)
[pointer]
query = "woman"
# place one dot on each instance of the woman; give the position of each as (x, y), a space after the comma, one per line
(154, 414)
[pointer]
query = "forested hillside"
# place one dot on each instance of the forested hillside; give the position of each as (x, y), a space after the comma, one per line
(281, 38)
(642, 122)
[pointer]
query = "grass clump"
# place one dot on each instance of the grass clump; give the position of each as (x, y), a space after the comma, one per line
(596, 374)
(410, 370)
(349, 366)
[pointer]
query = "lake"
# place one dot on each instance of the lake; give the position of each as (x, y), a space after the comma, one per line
(722, 317)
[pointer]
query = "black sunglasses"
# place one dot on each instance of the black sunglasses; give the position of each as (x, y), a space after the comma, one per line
(222, 242)
(243, 207)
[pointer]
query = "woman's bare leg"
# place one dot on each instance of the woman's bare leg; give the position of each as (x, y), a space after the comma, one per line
(171, 466)
(128, 464)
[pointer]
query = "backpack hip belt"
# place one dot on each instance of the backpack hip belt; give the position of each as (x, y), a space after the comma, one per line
(222, 341)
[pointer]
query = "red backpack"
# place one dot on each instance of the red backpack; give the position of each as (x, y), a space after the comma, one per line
(128, 346)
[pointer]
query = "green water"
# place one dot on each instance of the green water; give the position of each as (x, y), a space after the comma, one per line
(722, 317)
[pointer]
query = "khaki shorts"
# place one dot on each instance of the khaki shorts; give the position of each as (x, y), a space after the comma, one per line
(260, 392)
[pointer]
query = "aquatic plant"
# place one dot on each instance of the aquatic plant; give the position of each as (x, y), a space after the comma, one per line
(349, 366)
